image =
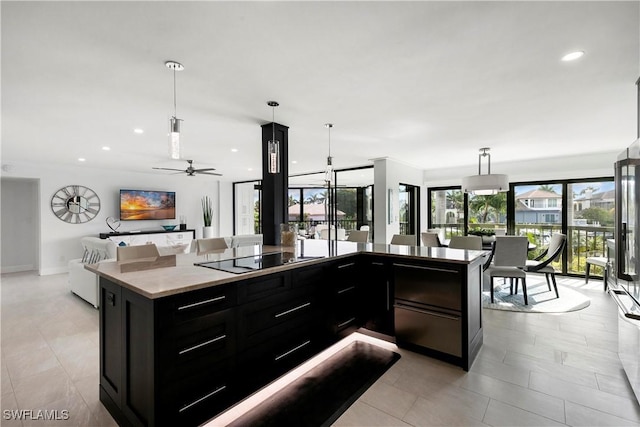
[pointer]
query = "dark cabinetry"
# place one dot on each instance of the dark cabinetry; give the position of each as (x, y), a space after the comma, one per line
(377, 294)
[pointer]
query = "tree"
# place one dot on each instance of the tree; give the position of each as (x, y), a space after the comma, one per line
(597, 215)
(484, 206)
(547, 187)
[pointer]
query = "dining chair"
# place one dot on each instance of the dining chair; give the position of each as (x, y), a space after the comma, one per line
(439, 231)
(403, 239)
(430, 239)
(136, 252)
(542, 264)
(500, 232)
(466, 242)
(361, 236)
(211, 244)
(509, 261)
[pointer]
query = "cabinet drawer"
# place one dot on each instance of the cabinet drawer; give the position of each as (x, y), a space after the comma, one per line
(310, 276)
(193, 399)
(265, 319)
(193, 344)
(182, 308)
(429, 329)
(438, 286)
(263, 363)
(261, 287)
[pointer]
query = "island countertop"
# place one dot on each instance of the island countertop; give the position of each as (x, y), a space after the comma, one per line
(174, 274)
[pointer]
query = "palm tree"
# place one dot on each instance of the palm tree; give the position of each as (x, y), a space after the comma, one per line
(547, 187)
(485, 205)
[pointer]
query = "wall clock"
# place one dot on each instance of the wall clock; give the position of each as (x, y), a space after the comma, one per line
(75, 204)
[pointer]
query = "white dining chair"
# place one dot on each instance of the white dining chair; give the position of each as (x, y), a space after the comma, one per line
(466, 242)
(211, 244)
(430, 239)
(361, 236)
(404, 239)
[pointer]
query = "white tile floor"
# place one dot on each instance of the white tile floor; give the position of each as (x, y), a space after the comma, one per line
(534, 369)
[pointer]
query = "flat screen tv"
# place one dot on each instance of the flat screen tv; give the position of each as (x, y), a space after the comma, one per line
(139, 204)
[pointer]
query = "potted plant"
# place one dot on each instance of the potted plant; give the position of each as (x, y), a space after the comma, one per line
(207, 214)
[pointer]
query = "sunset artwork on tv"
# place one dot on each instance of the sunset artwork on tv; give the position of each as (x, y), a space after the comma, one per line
(138, 204)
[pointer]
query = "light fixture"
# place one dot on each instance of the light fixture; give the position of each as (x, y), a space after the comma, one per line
(175, 148)
(573, 56)
(484, 185)
(105, 148)
(273, 146)
(328, 173)
(138, 131)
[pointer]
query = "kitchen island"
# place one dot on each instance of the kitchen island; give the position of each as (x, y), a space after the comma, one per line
(182, 338)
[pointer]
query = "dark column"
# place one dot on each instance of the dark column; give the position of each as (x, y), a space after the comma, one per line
(274, 186)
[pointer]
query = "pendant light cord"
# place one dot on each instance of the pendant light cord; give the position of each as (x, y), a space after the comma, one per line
(175, 109)
(273, 123)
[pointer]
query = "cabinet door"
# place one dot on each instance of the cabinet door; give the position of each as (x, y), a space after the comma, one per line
(111, 339)
(377, 296)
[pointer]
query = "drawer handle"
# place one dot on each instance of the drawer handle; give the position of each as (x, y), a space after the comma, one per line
(351, 264)
(284, 313)
(196, 304)
(218, 390)
(292, 350)
(346, 323)
(444, 270)
(211, 341)
(377, 263)
(350, 288)
(428, 312)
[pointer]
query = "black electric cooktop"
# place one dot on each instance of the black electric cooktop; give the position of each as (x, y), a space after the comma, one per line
(255, 262)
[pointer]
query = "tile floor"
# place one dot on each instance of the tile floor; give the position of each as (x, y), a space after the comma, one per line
(534, 369)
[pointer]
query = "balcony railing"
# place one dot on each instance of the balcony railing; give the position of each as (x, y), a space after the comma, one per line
(582, 241)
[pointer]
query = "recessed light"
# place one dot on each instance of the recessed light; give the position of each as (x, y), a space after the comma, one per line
(105, 148)
(138, 131)
(573, 55)
(250, 169)
(81, 159)
(294, 161)
(234, 150)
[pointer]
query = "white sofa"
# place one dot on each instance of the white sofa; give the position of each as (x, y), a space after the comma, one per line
(83, 282)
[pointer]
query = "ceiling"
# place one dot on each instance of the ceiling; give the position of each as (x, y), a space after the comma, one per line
(426, 83)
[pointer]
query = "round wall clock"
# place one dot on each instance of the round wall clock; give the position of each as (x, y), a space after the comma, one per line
(75, 204)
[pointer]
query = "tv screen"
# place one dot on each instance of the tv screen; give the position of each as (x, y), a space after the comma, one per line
(139, 204)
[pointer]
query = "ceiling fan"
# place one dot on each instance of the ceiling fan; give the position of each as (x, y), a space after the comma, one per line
(191, 171)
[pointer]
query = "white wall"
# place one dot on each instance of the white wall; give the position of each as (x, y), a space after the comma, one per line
(21, 225)
(59, 241)
(389, 174)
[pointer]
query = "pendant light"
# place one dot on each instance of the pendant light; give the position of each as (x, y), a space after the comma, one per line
(175, 148)
(484, 185)
(273, 146)
(328, 174)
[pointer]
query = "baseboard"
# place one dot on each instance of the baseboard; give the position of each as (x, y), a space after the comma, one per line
(54, 270)
(17, 268)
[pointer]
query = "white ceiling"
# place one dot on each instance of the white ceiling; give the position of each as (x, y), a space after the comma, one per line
(426, 83)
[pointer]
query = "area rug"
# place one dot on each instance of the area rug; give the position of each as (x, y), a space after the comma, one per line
(322, 394)
(541, 300)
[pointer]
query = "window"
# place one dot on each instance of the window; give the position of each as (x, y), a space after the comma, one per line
(446, 210)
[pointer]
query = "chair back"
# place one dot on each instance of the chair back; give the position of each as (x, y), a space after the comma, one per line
(212, 244)
(136, 252)
(439, 231)
(403, 239)
(466, 242)
(364, 228)
(361, 236)
(500, 231)
(430, 239)
(510, 251)
(556, 244)
(246, 240)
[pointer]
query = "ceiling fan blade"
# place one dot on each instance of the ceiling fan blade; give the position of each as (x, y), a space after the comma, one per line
(169, 169)
(207, 173)
(205, 169)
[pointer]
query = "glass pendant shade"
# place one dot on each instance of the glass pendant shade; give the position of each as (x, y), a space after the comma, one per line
(328, 173)
(273, 146)
(273, 152)
(175, 148)
(488, 184)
